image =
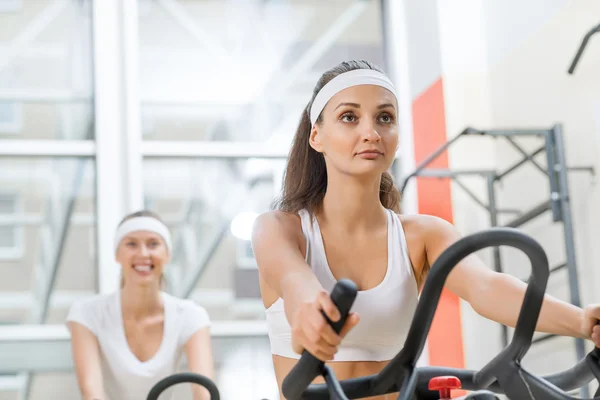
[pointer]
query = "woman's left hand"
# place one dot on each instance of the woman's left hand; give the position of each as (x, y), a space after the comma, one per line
(590, 327)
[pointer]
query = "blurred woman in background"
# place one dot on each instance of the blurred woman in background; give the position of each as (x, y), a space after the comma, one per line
(125, 342)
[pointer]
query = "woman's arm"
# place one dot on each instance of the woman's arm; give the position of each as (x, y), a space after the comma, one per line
(86, 357)
(276, 245)
(198, 351)
(498, 296)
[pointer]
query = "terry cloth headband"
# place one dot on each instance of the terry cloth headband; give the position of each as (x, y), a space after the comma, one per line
(343, 81)
(143, 224)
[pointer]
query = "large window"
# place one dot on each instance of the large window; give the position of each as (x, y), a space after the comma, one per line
(47, 174)
(243, 71)
(185, 107)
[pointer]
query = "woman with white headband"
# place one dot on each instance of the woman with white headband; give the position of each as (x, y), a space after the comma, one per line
(339, 217)
(125, 342)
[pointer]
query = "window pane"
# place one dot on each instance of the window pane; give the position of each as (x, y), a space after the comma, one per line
(46, 70)
(57, 198)
(243, 70)
(244, 360)
(209, 205)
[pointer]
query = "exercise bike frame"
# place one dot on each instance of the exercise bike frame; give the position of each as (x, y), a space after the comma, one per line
(502, 375)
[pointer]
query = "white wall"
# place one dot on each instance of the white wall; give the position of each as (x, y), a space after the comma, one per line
(505, 66)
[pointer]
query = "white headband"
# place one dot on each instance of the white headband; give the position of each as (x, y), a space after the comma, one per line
(143, 224)
(346, 80)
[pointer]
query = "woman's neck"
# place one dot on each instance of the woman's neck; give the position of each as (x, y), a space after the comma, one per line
(140, 301)
(351, 204)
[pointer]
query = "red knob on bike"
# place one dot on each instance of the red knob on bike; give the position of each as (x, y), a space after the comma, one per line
(444, 384)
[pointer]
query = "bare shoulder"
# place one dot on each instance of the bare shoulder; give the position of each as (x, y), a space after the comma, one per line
(422, 225)
(276, 222)
(277, 228)
(423, 233)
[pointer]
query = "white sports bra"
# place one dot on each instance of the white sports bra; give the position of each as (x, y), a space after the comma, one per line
(385, 311)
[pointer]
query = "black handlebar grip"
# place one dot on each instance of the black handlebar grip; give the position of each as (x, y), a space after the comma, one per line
(184, 377)
(309, 367)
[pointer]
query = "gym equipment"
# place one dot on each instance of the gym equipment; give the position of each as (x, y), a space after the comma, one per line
(558, 201)
(184, 377)
(502, 375)
(582, 47)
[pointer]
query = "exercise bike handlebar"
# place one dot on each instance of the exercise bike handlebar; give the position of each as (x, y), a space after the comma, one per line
(401, 375)
(184, 377)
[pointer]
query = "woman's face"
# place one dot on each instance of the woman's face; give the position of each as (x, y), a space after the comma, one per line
(358, 133)
(142, 256)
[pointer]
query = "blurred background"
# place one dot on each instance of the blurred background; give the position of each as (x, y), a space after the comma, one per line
(188, 108)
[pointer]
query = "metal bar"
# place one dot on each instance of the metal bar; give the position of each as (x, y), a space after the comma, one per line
(491, 191)
(179, 14)
(508, 211)
(207, 150)
(448, 173)
(111, 183)
(516, 132)
(47, 148)
(529, 215)
(63, 232)
(132, 120)
(589, 169)
(428, 160)
(41, 96)
(47, 348)
(470, 193)
(320, 46)
(32, 30)
(543, 338)
(558, 267)
(528, 157)
(434, 155)
(565, 205)
(196, 273)
(582, 47)
(553, 178)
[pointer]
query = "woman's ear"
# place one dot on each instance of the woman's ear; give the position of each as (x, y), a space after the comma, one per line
(314, 139)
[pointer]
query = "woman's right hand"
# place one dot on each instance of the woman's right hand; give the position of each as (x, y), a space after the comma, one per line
(312, 332)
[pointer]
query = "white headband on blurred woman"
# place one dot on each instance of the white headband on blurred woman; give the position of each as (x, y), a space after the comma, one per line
(347, 79)
(143, 224)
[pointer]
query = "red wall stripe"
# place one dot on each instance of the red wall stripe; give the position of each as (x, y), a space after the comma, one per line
(429, 123)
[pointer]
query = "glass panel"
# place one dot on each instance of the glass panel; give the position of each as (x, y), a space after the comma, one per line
(243, 71)
(56, 199)
(46, 84)
(243, 370)
(209, 206)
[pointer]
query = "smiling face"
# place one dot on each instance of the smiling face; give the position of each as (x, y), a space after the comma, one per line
(142, 255)
(358, 132)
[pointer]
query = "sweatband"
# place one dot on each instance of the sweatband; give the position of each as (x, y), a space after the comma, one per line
(143, 224)
(343, 81)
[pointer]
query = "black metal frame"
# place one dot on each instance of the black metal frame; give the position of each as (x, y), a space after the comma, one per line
(558, 202)
(582, 47)
(503, 374)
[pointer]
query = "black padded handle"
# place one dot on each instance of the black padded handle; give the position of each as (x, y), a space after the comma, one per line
(184, 377)
(309, 367)
(434, 284)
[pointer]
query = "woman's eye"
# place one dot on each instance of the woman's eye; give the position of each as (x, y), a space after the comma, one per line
(131, 244)
(348, 118)
(386, 118)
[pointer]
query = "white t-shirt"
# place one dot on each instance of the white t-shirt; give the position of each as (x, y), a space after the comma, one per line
(125, 376)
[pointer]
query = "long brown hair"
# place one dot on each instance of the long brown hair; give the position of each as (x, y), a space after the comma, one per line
(142, 213)
(305, 176)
